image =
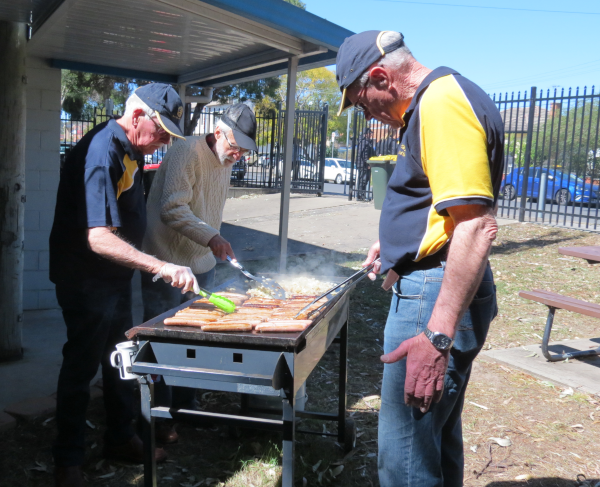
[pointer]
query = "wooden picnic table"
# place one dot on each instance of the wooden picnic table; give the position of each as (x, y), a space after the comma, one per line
(590, 253)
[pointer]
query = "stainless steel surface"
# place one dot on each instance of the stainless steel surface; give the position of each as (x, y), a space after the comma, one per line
(274, 288)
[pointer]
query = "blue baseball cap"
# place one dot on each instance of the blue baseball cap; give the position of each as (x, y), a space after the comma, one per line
(167, 106)
(242, 122)
(355, 56)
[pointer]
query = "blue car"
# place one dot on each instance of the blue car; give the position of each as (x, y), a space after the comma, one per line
(562, 188)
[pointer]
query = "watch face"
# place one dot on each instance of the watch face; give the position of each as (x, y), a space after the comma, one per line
(441, 342)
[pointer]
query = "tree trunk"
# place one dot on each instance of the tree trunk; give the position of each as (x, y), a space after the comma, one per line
(13, 77)
(190, 124)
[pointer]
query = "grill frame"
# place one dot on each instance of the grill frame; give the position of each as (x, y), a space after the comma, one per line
(290, 358)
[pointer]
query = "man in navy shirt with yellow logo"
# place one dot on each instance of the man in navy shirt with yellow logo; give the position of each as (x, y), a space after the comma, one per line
(436, 231)
(99, 225)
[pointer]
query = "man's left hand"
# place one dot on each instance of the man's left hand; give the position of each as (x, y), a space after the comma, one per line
(425, 370)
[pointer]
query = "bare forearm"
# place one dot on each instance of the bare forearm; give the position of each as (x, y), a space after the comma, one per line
(105, 243)
(467, 258)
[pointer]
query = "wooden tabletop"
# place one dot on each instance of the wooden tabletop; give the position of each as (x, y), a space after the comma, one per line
(591, 253)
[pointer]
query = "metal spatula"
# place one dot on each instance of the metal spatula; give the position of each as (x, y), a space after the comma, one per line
(274, 289)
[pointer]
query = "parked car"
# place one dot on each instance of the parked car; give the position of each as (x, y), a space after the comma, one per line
(561, 187)
(301, 169)
(151, 162)
(238, 170)
(337, 170)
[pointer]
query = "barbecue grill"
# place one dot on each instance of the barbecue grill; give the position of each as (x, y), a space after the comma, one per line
(274, 365)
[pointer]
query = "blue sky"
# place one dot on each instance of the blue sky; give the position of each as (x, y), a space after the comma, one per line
(501, 50)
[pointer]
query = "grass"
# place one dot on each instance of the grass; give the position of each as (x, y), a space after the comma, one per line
(554, 437)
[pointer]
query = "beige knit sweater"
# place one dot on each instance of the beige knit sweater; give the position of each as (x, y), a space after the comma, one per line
(185, 205)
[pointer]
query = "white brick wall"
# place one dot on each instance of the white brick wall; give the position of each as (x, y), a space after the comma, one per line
(42, 165)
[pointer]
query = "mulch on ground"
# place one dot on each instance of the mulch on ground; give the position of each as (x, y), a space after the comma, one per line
(517, 430)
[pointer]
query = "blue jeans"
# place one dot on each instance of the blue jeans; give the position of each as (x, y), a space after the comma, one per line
(426, 450)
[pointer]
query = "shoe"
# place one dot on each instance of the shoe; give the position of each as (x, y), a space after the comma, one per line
(132, 451)
(69, 477)
(165, 433)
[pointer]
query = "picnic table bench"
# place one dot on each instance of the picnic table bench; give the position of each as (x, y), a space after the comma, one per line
(556, 301)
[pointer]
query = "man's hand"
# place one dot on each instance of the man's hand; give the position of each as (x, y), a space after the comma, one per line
(179, 276)
(425, 370)
(221, 247)
(371, 256)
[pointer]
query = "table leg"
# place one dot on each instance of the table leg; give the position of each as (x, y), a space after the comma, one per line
(147, 389)
(289, 440)
(342, 383)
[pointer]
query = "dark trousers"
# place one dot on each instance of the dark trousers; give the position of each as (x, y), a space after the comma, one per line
(159, 297)
(97, 313)
(364, 176)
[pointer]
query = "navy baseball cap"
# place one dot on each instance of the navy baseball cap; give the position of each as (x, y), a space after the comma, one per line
(167, 106)
(356, 54)
(242, 122)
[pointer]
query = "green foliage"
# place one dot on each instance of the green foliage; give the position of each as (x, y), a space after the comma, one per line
(567, 138)
(297, 3)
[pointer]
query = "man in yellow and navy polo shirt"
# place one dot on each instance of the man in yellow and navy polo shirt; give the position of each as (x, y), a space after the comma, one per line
(436, 230)
(98, 228)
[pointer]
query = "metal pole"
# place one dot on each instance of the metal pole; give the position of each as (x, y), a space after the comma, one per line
(324, 118)
(182, 88)
(542, 195)
(354, 138)
(290, 112)
(347, 142)
(13, 77)
(527, 161)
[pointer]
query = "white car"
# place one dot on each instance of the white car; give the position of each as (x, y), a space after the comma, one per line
(337, 170)
(303, 169)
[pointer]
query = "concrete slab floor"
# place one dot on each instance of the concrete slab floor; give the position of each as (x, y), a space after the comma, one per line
(580, 374)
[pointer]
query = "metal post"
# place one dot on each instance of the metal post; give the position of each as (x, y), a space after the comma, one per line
(342, 383)
(527, 161)
(290, 111)
(146, 390)
(354, 137)
(347, 143)
(182, 88)
(289, 441)
(324, 119)
(542, 195)
(13, 78)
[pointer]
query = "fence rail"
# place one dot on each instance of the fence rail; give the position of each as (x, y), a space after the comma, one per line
(551, 153)
(260, 169)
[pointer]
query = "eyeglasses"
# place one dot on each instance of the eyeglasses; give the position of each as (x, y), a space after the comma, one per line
(235, 148)
(159, 129)
(358, 104)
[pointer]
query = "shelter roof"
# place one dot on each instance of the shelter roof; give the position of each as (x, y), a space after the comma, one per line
(208, 42)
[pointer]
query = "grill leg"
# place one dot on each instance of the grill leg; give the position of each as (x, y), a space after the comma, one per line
(342, 383)
(289, 432)
(146, 389)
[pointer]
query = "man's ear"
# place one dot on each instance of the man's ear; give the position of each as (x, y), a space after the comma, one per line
(217, 132)
(380, 78)
(136, 115)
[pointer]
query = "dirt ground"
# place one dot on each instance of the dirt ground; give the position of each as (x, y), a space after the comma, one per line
(517, 430)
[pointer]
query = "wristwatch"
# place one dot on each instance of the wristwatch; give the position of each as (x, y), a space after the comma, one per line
(439, 340)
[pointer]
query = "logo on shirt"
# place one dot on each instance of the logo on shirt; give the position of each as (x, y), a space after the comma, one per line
(126, 181)
(179, 112)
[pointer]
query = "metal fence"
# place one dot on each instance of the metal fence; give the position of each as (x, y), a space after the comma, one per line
(261, 169)
(551, 154)
(551, 172)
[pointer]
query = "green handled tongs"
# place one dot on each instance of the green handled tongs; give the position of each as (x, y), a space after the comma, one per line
(219, 301)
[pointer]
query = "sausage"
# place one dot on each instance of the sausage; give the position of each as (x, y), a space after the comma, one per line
(227, 327)
(186, 322)
(234, 318)
(288, 328)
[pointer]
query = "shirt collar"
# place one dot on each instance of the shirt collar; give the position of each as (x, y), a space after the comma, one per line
(120, 135)
(430, 78)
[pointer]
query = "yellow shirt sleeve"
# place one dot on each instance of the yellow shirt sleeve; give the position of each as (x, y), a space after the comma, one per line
(453, 146)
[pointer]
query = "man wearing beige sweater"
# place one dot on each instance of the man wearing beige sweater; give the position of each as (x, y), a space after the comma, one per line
(185, 210)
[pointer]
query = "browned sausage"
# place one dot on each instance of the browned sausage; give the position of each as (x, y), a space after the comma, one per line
(186, 322)
(227, 327)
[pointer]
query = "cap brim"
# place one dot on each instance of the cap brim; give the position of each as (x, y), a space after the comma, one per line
(244, 141)
(345, 103)
(171, 127)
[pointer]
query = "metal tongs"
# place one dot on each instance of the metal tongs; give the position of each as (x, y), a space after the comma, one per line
(364, 273)
(275, 289)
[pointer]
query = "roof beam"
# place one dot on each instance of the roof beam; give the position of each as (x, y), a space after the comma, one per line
(254, 30)
(113, 71)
